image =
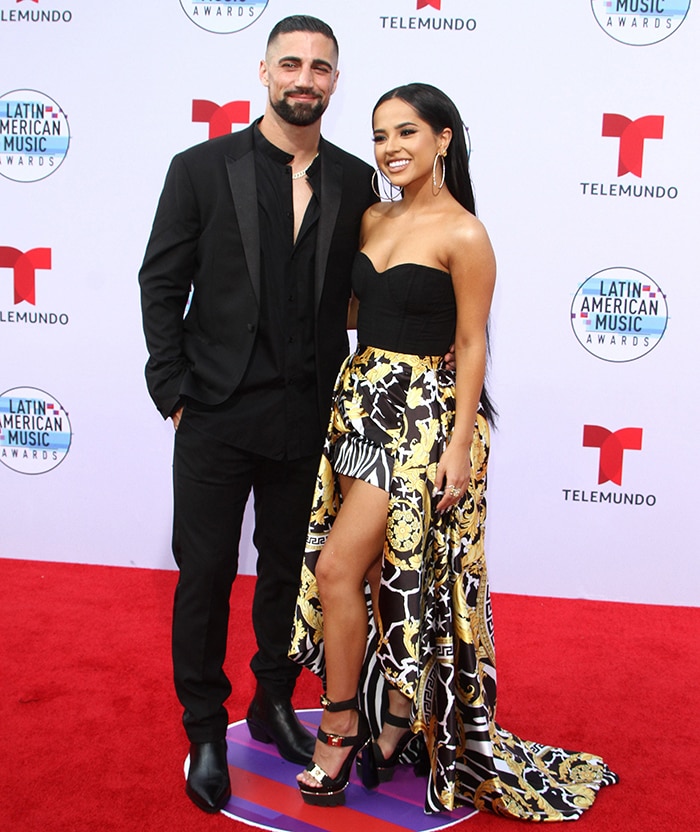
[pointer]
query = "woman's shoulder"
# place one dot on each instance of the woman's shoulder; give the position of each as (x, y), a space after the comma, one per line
(467, 244)
(377, 210)
(372, 215)
(463, 227)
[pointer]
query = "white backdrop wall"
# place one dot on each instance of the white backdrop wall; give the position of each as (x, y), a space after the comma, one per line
(582, 217)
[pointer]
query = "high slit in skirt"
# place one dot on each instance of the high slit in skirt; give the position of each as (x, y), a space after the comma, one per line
(432, 634)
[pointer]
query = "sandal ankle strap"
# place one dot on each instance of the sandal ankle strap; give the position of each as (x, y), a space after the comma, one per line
(339, 740)
(335, 740)
(397, 721)
(334, 707)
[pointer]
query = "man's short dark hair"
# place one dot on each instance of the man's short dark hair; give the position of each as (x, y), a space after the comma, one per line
(302, 23)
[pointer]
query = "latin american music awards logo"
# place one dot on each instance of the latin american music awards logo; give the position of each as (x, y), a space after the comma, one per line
(34, 135)
(619, 314)
(640, 22)
(35, 431)
(223, 17)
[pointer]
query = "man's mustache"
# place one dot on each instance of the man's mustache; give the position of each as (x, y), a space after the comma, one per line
(301, 91)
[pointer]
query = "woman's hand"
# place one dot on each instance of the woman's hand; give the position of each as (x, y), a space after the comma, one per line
(453, 472)
(176, 418)
(449, 358)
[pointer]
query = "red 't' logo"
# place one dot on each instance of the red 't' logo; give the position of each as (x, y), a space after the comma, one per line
(24, 265)
(631, 135)
(612, 446)
(220, 118)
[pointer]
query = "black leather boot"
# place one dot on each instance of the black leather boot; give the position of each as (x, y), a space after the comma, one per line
(271, 718)
(208, 784)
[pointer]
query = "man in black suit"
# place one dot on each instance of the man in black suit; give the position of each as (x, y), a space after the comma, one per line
(257, 230)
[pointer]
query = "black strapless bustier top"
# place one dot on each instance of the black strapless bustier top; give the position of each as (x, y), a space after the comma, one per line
(407, 308)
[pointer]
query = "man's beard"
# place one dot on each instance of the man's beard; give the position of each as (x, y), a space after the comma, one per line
(300, 115)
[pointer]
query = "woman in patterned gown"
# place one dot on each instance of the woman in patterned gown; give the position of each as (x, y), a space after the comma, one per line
(394, 608)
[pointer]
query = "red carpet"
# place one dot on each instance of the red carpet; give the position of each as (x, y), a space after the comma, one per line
(91, 736)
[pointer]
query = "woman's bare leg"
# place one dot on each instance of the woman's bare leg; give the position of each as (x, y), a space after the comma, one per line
(354, 544)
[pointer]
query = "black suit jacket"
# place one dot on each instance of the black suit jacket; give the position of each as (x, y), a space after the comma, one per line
(205, 235)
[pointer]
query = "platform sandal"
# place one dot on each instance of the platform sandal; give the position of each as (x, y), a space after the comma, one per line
(331, 790)
(386, 767)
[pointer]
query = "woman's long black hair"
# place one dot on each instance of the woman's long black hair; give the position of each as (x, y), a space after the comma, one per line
(439, 111)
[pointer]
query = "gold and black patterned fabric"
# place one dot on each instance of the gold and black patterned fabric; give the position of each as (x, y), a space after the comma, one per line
(432, 636)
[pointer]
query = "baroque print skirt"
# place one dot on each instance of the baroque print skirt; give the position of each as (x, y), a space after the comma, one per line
(432, 635)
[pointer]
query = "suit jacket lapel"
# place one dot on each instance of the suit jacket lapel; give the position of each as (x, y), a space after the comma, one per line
(331, 181)
(241, 177)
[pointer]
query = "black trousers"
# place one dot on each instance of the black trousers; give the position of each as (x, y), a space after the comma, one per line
(212, 482)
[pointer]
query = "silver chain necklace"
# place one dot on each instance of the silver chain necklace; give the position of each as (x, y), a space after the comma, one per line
(300, 173)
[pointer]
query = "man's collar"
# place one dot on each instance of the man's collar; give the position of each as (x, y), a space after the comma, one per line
(260, 143)
(263, 144)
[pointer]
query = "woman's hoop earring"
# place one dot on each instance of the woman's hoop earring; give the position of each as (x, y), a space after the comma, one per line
(391, 192)
(441, 156)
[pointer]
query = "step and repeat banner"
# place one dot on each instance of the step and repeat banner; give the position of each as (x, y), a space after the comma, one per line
(583, 122)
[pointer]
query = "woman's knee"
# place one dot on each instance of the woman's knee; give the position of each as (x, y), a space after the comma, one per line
(327, 574)
(335, 576)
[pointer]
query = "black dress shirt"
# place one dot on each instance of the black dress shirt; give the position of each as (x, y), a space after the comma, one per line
(274, 411)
